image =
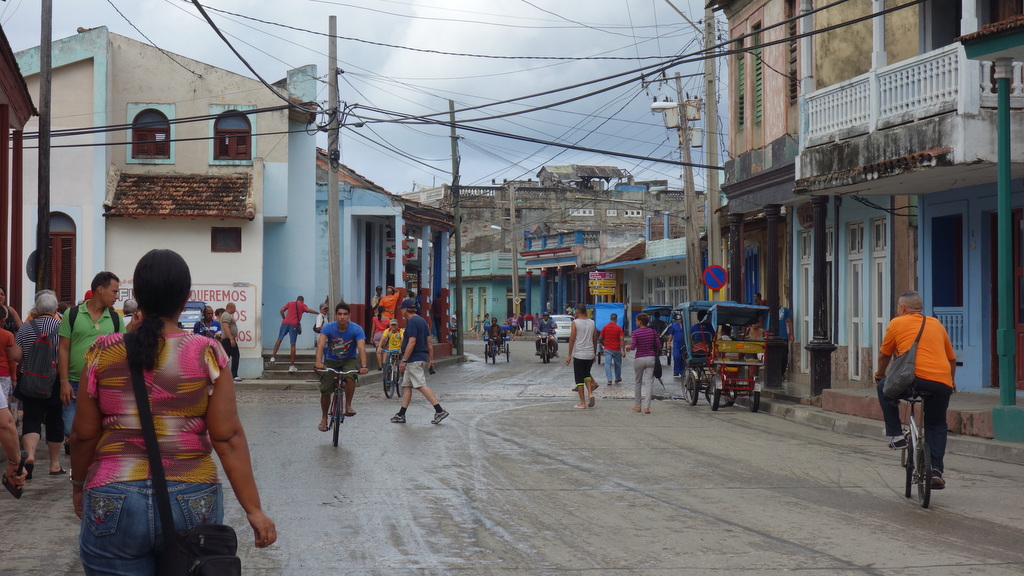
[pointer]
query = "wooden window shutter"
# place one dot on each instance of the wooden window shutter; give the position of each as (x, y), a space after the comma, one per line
(741, 87)
(758, 77)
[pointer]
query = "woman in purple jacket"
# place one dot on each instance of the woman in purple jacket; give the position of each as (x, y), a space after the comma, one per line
(647, 344)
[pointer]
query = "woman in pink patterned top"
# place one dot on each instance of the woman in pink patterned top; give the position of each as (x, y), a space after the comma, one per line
(194, 412)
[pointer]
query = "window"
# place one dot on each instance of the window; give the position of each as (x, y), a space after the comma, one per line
(581, 211)
(225, 239)
(62, 251)
(741, 81)
(151, 135)
(758, 75)
(633, 213)
(611, 212)
(947, 242)
(232, 137)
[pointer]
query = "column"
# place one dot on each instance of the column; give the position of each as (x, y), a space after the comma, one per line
(776, 346)
(820, 346)
(527, 309)
(736, 257)
(544, 291)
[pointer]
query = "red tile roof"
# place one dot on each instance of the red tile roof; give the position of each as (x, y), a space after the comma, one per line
(183, 196)
(1012, 24)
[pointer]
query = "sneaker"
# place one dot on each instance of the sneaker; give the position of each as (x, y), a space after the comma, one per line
(400, 418)
(292, 368)
(237, 379)
(273, 360)
(937, 482)
(438, 416)
(897, 442)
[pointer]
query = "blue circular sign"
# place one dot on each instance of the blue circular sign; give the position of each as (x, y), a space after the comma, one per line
(715, 277)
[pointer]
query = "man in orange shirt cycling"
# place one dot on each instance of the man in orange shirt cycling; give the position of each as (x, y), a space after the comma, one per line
(934, 368)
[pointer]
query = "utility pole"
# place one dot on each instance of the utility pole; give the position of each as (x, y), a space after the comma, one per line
(457, 214)
(515, 246)
(711, 128)
(689, 196)
(333, 159)
(45, 85)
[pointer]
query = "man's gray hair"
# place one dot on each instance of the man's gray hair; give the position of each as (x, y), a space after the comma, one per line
(46, 302)
(130, 306)
(912, 300)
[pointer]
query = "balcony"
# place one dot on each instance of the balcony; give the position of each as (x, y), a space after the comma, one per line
(911, 127)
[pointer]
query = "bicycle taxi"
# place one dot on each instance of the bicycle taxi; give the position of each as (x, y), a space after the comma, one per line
(721, 366)
(493, 349)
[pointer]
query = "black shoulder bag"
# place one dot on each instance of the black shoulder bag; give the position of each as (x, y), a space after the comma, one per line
(899, 374)
(205, 550)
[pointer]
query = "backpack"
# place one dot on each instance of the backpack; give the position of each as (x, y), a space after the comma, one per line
(39, 370)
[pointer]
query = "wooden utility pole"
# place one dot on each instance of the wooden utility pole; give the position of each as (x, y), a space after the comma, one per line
(693, 260)
(42, 262)
(457, 214)
(711, 128)
(333, 159)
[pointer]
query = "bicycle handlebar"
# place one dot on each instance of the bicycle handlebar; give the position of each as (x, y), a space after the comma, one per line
(343, 373)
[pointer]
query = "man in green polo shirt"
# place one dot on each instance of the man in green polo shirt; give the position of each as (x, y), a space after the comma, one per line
(92, 320)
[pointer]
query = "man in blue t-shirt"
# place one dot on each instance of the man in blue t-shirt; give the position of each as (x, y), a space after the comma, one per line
(417, 356)
(677, 338)
(341, 345)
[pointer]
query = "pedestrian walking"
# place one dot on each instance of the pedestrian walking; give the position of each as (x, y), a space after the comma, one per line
(194, 413)
(582, 352)
(646, 346)
(417, 358)
(229, 329)
(79, 328)
(677, 342)
(291, 326)
(39, 412)
(613, 340)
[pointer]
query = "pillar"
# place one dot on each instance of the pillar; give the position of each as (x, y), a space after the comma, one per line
(529, 293)
(544, 291)
(736, 257)
(820, 346)
(776, 346)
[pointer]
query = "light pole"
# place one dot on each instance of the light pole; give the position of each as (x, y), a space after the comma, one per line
(515, 267)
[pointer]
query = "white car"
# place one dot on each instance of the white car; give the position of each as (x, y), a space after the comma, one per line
(563, 326)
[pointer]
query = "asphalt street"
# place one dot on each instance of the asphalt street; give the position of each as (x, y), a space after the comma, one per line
(516, 481)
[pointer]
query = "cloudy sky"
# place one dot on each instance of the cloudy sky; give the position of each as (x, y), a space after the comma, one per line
(409, 57)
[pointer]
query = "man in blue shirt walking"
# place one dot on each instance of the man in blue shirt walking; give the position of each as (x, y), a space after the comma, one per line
(417, 357)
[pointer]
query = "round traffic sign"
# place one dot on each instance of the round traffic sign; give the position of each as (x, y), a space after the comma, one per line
(715, 277)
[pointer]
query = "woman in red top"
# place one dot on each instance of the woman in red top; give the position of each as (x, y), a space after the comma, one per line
(613, 339)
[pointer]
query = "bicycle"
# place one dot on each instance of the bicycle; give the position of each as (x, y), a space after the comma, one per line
(392, 377)
(916, 457)
(336, 413)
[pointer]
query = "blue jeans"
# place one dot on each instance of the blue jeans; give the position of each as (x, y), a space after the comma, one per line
(288, 330)
(934, 411)
(121, 531)
(613, 365)
(67, 413)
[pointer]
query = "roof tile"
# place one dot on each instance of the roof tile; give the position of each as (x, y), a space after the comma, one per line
(183, 196)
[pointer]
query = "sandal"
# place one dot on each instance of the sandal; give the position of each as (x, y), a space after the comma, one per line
(590, 403)
(580, 406)
(322, 427)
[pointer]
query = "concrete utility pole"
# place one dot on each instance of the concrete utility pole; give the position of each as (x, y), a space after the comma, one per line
(45, 84)
(689, 196)
(457, 214)
(711, 127)
(333, 158)
(515, 246)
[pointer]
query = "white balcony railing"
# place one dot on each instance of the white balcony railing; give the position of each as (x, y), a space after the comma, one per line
(940, 81)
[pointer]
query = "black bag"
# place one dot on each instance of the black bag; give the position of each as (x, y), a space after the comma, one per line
(298, 327)
(39, 369)
(206, 549)
(899, 374)
(657, 366)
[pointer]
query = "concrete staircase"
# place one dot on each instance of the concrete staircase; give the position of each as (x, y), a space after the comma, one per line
(304, 361)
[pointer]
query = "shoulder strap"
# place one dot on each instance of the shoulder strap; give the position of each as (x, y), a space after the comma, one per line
(924, 319)
(72, 314)
(115, 319)
(163, 499)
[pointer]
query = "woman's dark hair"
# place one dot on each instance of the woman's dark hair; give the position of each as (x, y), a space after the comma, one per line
(643, 318)
(161, 282)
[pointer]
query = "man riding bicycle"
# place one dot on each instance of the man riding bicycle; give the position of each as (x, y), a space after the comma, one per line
(390, 342)
(547, 326)
(340, 346)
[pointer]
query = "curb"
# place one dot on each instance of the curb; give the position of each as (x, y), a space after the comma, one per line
(313, 384)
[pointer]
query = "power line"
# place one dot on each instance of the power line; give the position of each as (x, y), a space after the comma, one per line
(162, 51)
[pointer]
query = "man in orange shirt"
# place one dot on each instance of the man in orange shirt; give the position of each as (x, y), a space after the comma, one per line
(934, 368)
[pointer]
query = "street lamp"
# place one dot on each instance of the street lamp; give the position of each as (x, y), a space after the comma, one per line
(515, 267)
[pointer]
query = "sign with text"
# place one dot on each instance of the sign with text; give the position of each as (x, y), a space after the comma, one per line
(217, 296)
(602, 291)
(602, 276)
(602, 283)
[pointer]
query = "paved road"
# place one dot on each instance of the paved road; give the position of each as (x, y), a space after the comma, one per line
(517, 482)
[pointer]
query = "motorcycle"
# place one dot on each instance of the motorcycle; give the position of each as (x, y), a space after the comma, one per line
(547, 347)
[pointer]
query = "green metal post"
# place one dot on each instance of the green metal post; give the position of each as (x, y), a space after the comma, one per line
(1005, 338)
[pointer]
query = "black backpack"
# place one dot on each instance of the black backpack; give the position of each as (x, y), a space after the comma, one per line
(115, 318)
(39, 370)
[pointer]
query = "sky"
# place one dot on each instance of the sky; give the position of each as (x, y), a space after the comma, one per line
(410, 57)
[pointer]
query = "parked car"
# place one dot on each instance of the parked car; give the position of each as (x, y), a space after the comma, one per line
(193, 313)
(563, 326)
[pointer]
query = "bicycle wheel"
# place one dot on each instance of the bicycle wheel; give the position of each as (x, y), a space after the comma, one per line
(337, 416)
(389, 368)
(907, 459)
(715, 400)
(506, 352)
(755, 401)
(924, 474)
(396, 382)
(690, 388)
